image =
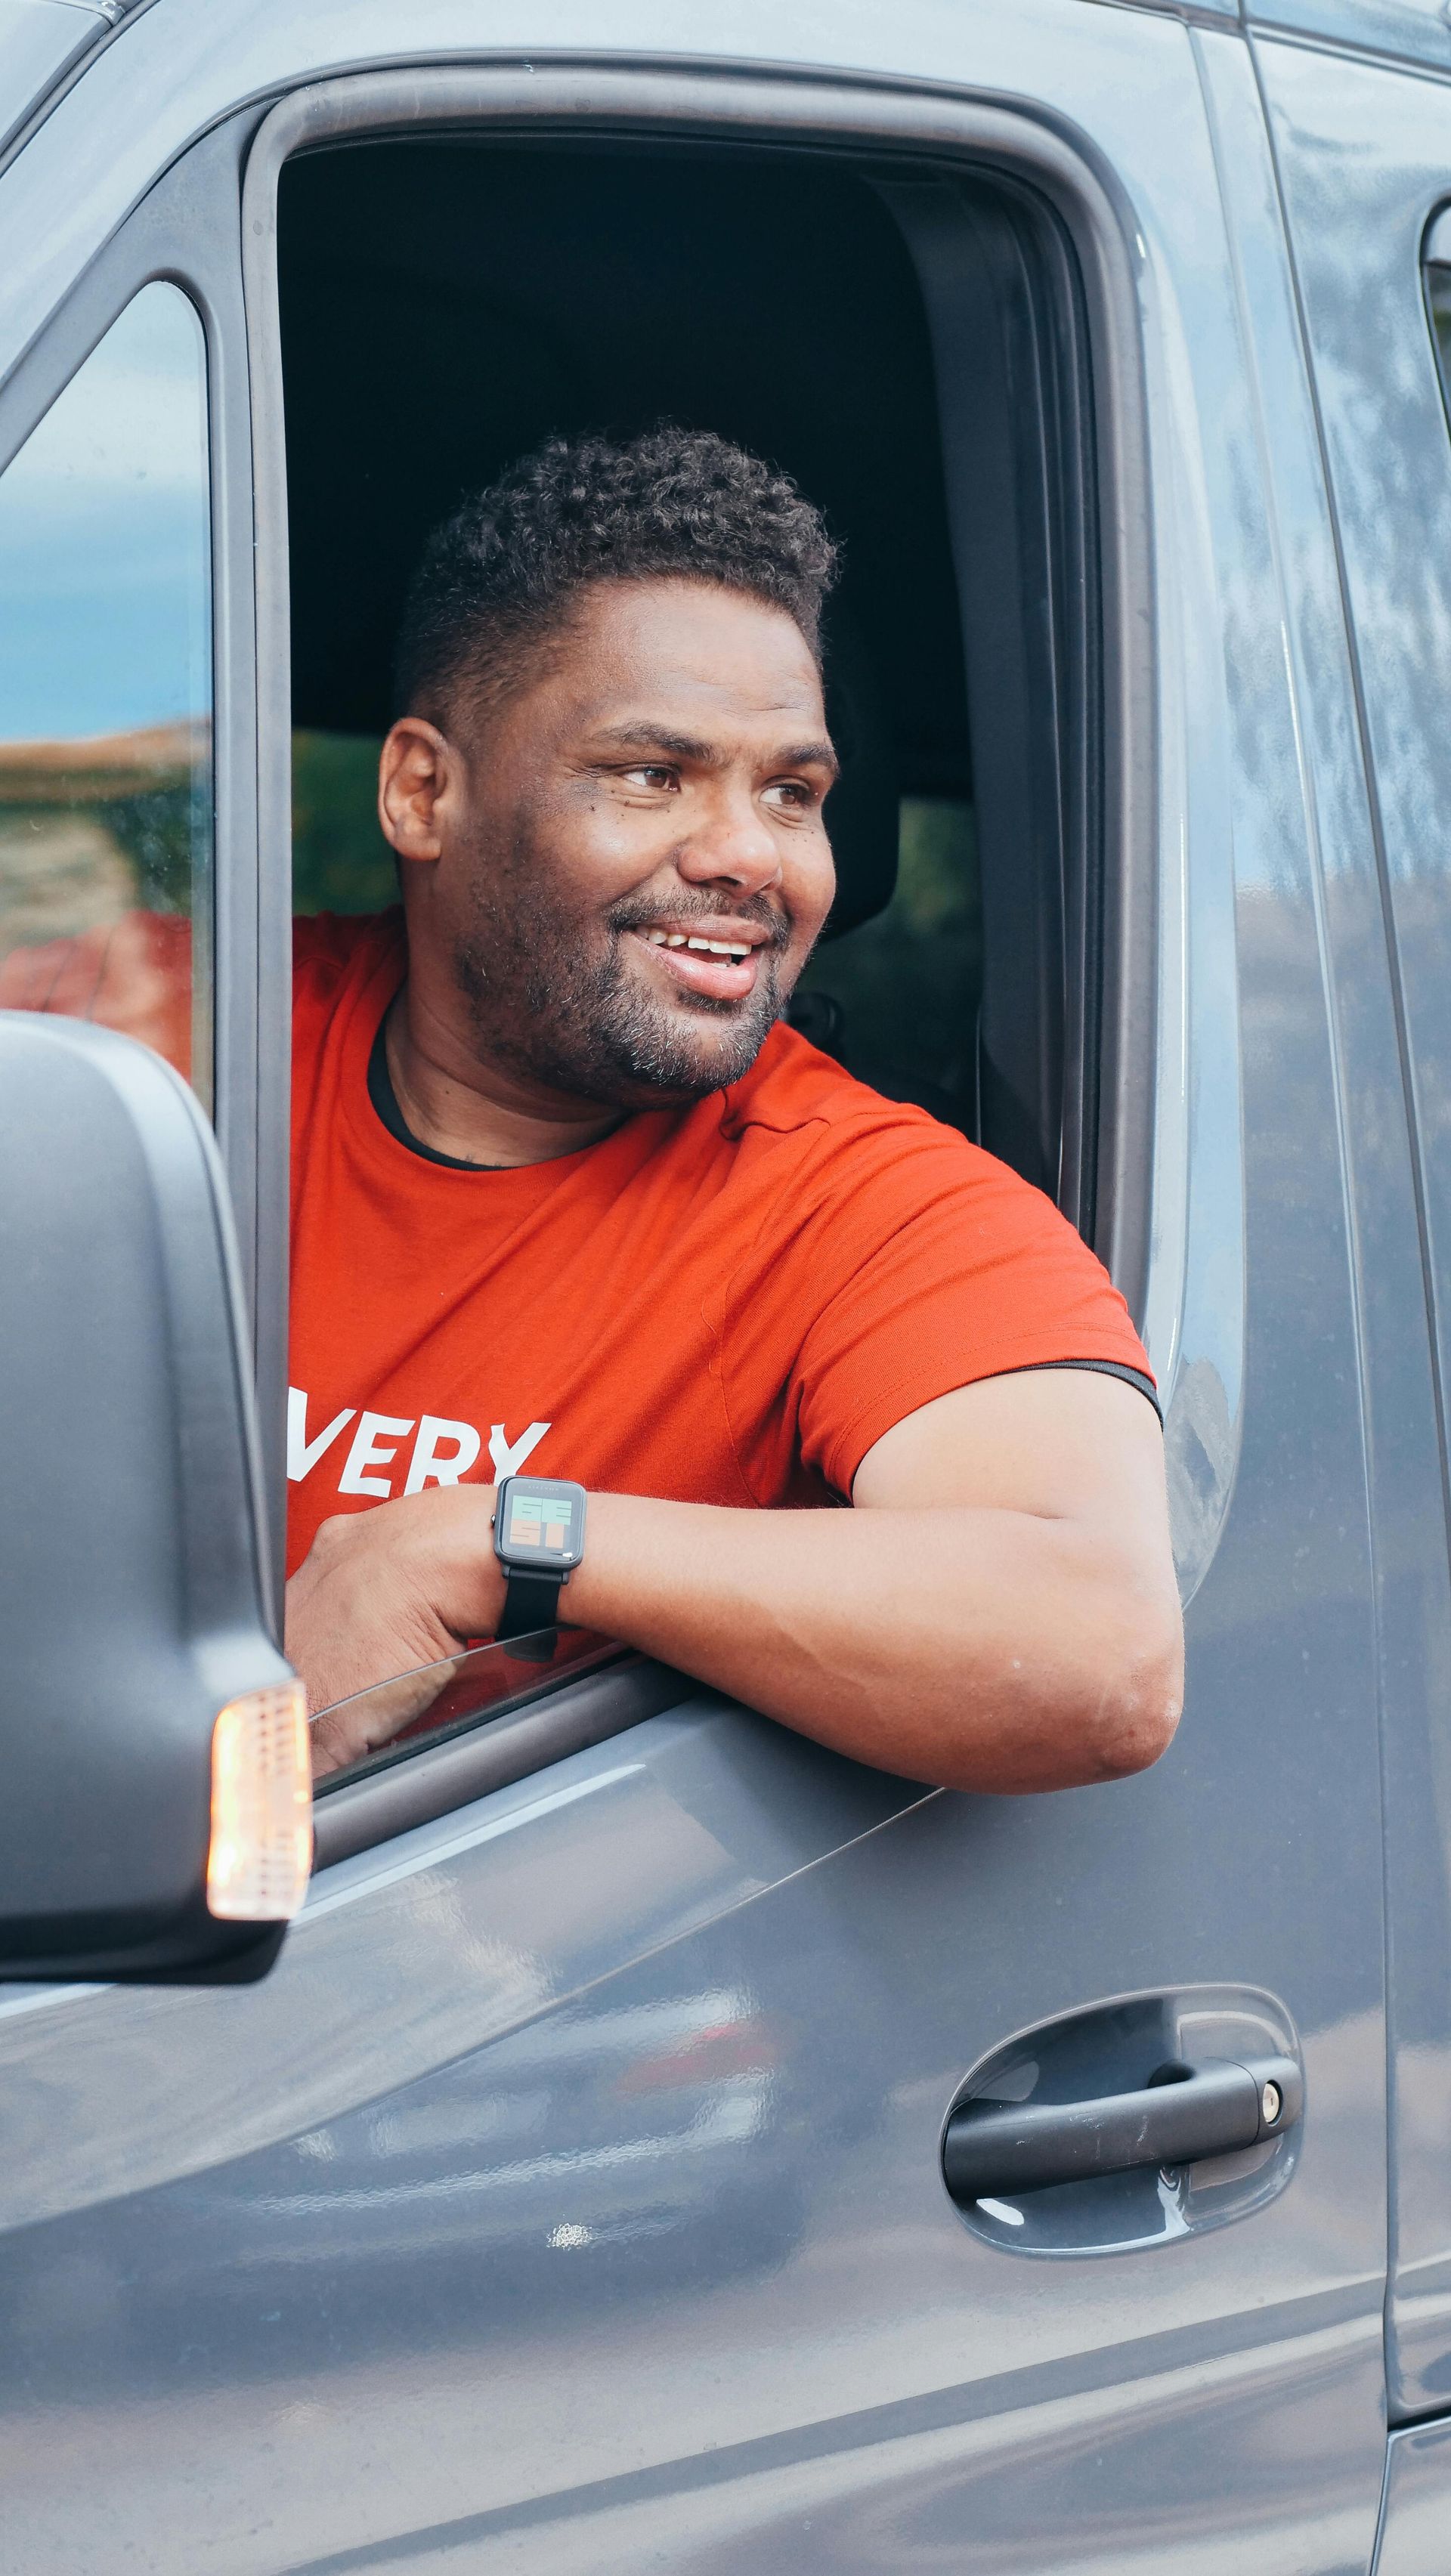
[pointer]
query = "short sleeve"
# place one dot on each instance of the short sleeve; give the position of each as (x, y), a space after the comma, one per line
(925, 1264)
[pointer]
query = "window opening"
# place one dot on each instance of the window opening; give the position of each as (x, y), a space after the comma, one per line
(897, 998)
(721, 243)
(520, 261)
(340, 860)
(106, 832)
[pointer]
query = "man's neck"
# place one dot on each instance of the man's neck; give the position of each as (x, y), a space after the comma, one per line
(475, 1112)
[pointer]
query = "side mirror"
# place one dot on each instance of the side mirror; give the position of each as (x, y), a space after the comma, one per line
(155, 1816)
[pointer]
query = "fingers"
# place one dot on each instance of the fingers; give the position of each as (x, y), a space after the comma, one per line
(351, 1728)
(362, 1633)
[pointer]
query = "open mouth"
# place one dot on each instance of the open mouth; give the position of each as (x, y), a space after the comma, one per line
(719, 964)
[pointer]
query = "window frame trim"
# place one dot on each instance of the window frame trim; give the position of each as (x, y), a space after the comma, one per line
(893, 123)
(1435, 253)
(556, 1718)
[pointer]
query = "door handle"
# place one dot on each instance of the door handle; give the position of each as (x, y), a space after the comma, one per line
(1181, 2115)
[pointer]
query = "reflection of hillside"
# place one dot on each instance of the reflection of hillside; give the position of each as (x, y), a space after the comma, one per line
(60, 874)
(101, 767)
(90, 829)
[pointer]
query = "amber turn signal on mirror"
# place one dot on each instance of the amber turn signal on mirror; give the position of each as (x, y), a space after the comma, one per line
(260, 1854)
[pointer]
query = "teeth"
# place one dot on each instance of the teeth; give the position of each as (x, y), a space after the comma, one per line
(710, 947)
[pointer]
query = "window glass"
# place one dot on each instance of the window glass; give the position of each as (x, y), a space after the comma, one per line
(106, 693)
(436, 1702)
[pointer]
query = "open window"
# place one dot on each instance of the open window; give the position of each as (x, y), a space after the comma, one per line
(917, 337)
(908, 349)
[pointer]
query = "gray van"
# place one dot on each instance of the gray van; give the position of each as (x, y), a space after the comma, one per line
(660, 2143)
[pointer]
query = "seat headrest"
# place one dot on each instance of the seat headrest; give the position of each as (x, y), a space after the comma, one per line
(862, 809)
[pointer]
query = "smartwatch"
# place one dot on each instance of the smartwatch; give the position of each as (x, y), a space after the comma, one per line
(538, 1540)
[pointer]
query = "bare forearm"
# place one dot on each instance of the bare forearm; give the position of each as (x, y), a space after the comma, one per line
(1022, 1633)
(976, 1648)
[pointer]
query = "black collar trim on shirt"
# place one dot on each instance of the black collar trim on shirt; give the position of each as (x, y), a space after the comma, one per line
(385, 1100)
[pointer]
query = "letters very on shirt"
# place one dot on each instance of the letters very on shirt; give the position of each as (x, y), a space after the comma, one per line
(728, 1302)
(442, 1452)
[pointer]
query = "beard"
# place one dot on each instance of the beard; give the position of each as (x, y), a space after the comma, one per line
(549, 1000)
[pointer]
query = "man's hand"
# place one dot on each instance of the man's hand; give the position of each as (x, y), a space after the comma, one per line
(352, 1728)
(997, 1612)
(383, 1591)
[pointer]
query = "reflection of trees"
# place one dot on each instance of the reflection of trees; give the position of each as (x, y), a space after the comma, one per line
(60, 873)
(104, 855)
(92, 829)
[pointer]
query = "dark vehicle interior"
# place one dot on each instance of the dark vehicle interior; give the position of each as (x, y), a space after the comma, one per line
(447, 304)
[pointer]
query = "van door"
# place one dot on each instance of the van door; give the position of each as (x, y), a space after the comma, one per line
(572, 2197)
(1365, 161)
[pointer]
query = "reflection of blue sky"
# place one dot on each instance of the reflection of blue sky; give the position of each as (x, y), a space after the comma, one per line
(104, 582)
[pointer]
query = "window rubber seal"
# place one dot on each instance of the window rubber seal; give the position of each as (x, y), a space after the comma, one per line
(545, 1724)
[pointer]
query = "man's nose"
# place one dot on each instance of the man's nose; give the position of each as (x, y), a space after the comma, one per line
(731, 843)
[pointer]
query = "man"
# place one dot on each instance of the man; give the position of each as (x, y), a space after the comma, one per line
(564, 1181)
(562, 1176)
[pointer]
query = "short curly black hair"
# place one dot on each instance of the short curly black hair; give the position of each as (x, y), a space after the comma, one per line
(503, 569)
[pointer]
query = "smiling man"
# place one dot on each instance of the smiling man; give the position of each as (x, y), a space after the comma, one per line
(577, 1217)
(572, 1202)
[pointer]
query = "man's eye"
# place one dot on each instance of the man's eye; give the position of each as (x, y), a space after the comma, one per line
(652, 774)
(790, 792)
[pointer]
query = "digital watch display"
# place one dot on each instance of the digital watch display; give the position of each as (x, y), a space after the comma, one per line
(538, 1540)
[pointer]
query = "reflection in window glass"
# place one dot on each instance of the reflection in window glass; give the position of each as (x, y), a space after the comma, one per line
(106, 693)
(1438, 296)
(436, 1702)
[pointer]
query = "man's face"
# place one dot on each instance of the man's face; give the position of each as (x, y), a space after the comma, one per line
(632, 866)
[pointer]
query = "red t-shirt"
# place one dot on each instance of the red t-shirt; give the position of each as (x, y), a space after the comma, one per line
(726, 1303)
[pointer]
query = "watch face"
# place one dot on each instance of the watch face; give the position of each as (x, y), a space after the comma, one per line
(542, 1523)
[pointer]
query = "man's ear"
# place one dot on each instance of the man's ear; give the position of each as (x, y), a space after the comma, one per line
(418, 776)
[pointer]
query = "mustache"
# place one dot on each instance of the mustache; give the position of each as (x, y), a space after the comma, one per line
(637, 912)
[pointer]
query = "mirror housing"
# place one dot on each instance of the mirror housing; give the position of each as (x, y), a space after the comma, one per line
(133, 1584)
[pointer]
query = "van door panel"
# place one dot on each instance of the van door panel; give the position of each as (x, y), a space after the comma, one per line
(572, 2199)
(669, 2268)
(1365, 157)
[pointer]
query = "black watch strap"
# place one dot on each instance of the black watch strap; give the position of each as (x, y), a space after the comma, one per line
(530, 1601)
